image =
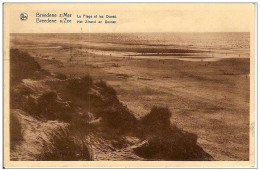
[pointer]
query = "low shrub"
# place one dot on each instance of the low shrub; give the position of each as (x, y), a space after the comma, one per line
(15, 131)
(61, 76)
(80, 86)
(117, 116)
(48, 106)
(64, 147)
(105, 89)
(22, 66)
(165, 141)
(157, 122)
(171, 148)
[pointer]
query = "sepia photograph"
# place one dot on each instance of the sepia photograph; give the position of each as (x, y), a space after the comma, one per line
(174, 82)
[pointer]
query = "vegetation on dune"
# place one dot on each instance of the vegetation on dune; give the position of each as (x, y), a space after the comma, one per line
(101, 99)
(61, 76)
(80, 86)
(23, 66)
(52, 109)
(165, 141)
(43, 106)
(105, 89)
(15, 131)
(158, 119)
(90, 106)
(65, 147)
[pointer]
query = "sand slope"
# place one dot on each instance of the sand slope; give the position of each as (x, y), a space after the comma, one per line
(63, 118)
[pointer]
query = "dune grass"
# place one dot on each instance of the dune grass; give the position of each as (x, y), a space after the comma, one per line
(64, 147)
(15, 131)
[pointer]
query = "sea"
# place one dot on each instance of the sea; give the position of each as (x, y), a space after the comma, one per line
(182, 46)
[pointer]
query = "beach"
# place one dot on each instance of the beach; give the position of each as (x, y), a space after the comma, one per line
(206, 87)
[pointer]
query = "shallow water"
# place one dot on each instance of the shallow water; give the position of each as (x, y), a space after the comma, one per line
(192, 46)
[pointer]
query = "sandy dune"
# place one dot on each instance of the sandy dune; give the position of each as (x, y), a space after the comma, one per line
(208, 98)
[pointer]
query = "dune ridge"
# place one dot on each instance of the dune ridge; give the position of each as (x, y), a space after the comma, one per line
(78, 118)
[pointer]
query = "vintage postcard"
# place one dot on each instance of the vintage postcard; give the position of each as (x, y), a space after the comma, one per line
(129, 84)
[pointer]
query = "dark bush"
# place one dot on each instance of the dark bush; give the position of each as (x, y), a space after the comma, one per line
(105, 89)
(80, 86)
(158, 116)
(165, 141)
(64, 147)
(22, 66)
(49, 107)
(31, 106)
(46, 105)
(118, 116)
(171, 148)
(61, 76)
(15, 131)
(157, 122)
